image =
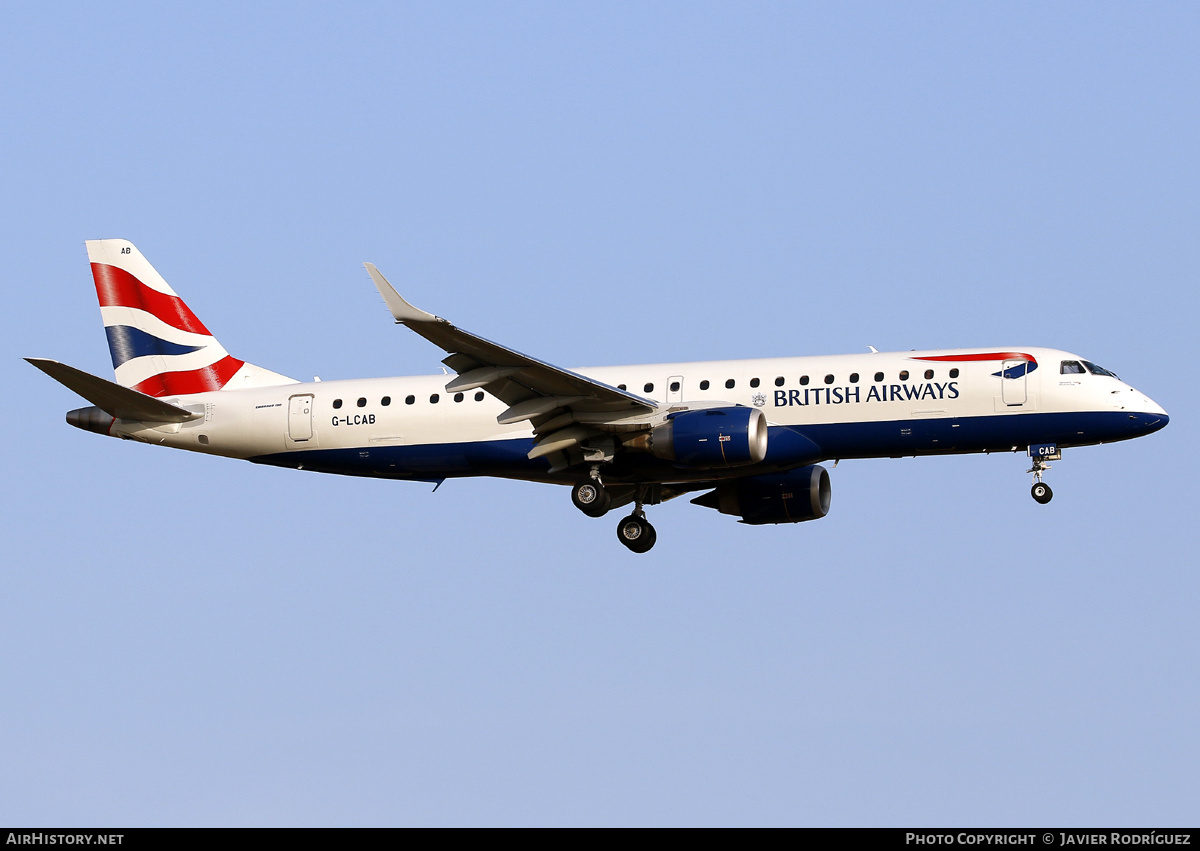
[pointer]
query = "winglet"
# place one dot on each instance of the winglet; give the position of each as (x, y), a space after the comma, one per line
(402, 311)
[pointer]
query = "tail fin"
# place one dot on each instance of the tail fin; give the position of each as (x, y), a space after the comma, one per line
(158, 345)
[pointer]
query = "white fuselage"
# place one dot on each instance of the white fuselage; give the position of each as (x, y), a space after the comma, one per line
(863, 405)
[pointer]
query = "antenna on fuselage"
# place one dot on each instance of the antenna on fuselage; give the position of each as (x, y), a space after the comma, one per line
(874, 350)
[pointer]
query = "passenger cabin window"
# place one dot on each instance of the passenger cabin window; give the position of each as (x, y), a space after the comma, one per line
(408, 400)
(928, 374)
(458, 397)
(1099, 370)
(879, 376)
(753, 382)
(1071, 367)
(729, 384)
(622, 387)
(337, 403)
(854, 378)
(385, 401)
(479, 396)
(803, 380)
(779, 381)
(829, 379)
(649, 388)
(362, 402)
(904, 375)
(954, 372)
(704, 384)
(674, 386)
(433, 400)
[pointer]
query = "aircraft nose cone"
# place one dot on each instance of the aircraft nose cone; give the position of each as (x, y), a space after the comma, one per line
(1147, 414)
(1150, 421)
(1152, 407)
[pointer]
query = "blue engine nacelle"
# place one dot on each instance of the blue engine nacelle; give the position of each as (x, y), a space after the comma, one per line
(790, 497)
(710, 438)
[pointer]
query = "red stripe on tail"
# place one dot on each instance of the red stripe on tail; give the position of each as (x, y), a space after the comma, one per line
(117, 288)
(212, 377)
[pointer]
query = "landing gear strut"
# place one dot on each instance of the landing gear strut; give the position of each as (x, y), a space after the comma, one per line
(1040, 491)
(594, 499)
(635, 531)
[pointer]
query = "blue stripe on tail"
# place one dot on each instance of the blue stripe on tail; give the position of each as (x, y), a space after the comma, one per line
(126, 343)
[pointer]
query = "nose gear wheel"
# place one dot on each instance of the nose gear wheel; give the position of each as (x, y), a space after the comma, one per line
(1040, 491)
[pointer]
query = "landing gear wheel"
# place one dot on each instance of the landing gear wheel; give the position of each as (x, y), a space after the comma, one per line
(636, 534)
(591, 497)
(1041, 492)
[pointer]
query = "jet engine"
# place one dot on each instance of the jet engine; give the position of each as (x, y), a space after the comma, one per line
(791, 497)
(707, 438)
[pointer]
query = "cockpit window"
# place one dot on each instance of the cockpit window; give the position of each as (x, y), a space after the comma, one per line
(1071, 367)
(1099, 370)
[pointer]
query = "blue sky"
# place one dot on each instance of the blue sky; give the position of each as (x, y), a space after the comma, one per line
(192, 641)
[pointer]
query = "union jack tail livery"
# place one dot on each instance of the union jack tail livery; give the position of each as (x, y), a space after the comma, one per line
(158, 346)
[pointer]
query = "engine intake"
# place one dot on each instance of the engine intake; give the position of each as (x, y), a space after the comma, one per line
(790, 497)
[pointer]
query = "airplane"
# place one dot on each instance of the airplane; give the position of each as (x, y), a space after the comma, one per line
(750, 434)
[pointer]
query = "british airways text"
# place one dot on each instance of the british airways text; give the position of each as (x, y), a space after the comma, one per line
(875, 393)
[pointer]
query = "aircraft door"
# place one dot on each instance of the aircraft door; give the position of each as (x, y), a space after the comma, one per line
(674, 389)
(300, 418)
(1012, 382)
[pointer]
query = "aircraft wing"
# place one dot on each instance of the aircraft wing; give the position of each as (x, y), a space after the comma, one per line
(565, 408)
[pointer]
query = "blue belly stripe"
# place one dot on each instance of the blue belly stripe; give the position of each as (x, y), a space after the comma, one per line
(787, 447)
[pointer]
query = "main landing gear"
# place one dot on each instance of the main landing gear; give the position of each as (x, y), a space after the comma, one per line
(593, 499)
(636, 533)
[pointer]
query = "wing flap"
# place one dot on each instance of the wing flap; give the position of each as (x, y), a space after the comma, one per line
(479, 377)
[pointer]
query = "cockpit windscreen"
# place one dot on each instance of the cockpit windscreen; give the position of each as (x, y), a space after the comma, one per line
(1099, 370)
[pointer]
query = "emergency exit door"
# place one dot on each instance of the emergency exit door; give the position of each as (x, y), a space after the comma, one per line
(300, 417)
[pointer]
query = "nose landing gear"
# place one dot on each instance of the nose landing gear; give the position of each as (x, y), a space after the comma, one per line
(1040, 491)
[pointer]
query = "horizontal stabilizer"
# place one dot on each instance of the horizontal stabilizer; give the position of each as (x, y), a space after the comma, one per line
(115, 400)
